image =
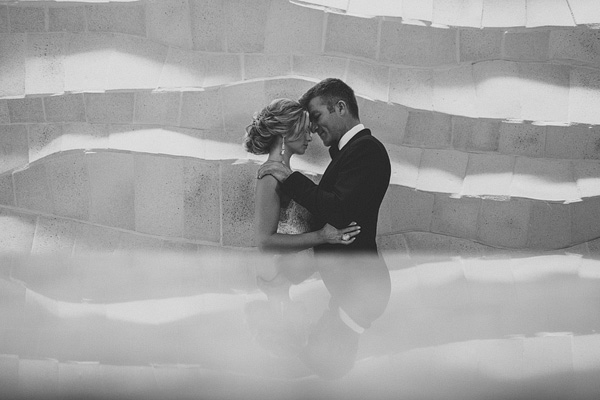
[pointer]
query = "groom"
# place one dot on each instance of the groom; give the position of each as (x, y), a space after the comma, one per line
(354, 183)
(351, 189)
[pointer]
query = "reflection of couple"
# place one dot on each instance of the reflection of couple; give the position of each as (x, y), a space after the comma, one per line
(341, 222)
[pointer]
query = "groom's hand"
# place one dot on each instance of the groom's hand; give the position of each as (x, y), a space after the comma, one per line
(278, 170)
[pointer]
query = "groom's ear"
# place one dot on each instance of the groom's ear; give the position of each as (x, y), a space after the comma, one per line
(342, 107)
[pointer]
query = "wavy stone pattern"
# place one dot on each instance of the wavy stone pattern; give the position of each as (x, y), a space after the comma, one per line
(493, 133)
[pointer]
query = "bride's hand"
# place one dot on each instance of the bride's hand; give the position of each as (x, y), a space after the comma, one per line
(332, 235)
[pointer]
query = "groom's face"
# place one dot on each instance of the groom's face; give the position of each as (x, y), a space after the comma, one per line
(328, 124)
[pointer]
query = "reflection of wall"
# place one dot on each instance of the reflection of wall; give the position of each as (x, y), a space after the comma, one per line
(123, 121)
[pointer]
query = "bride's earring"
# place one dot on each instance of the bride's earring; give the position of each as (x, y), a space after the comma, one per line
(283, 146)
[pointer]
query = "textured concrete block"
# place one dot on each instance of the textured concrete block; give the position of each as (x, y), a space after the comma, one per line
(544, 92)
(351, 35)
(237, 204)
(222, 69)
(65, 108)
(575, 142)
(66, 19)
(410, 210)
(208, 25)
(288, 88)
(109, 107)
(117, 17)
(183, 69)
(4, 114)
(169, 22)
(522, 139)
(455, 217)
(428, 129)
(548, 13)
(32, 188)
(93, 240)
(240, 102)
(111, 179)
(575, 44)
(44, 139)
(7, 193)
(27, 19)
(369, 80)
(292, 28)
(87, 61)
(135, 64)
(319, 67)
(202, 110)
(417, 45)
(587, 176)
(458, 12)
(29, 109)
(17, 232)
(69, 183)
(527, 46)
(442, 171)
(44, 66)
(479, 44)
(584, 96)
(241, 35)
(386, 121)
(54, 235)
(426, 244)
(202, 206)
(586, 220)
(266, 65)
(504, 223)
(159, 202)
(584, 11)
(405, 163)
(470, 134)
(454, 91)
(417, 9)
(14, 147)
(544, 179)
(12, 67)
(84, 136)
(412, 87)
(488, 175)
(504, 14)
(550, 226)
(496, 83)
(4, 28)
(160, 108)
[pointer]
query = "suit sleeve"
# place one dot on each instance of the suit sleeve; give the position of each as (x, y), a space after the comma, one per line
(362, 172)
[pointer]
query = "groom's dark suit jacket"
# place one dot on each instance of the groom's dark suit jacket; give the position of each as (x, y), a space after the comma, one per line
(351, 189)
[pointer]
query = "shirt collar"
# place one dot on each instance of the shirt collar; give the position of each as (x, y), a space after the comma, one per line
(349, 135)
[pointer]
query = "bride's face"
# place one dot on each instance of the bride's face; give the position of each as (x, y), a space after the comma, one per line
(299, 145)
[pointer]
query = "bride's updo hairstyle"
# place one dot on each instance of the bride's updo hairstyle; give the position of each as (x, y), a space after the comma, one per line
(283, 117)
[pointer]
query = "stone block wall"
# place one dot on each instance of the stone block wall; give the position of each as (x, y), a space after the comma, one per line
(121, 122)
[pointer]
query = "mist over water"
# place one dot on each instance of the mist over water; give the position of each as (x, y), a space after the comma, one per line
(202, 326)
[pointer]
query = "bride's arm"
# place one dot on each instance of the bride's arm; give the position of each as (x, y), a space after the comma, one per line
(266, 220)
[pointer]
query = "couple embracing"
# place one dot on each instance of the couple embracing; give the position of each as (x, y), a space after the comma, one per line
(336, 217)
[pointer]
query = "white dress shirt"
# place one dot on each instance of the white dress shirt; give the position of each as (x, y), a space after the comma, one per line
(349, 135)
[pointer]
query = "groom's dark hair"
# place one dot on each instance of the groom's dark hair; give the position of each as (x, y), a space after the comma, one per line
(332, 90)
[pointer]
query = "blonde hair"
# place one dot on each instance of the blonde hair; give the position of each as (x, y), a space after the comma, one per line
(282, 117)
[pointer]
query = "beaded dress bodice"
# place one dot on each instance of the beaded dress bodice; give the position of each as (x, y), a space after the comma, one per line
(294, 219)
